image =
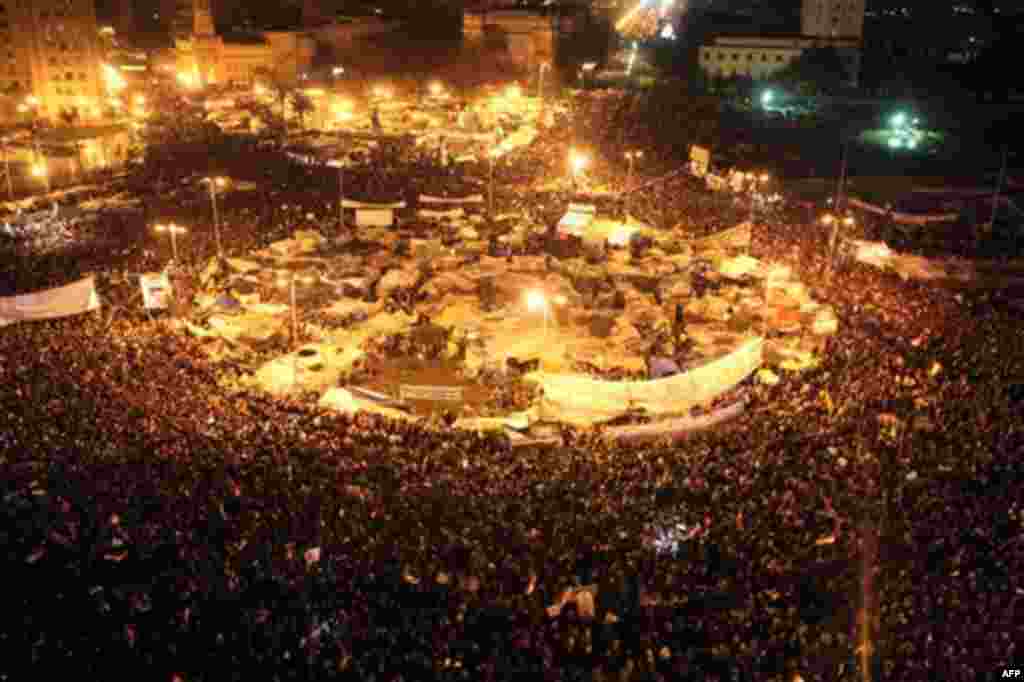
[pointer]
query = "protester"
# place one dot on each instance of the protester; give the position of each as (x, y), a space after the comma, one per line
(162, 520)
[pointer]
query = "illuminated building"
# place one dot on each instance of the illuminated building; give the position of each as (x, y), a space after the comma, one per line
(51, 53)
(204, 57)
(823, 23)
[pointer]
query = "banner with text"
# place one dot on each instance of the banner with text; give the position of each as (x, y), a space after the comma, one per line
(72, 299)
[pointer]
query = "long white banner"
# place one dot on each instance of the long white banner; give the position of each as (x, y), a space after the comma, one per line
(72, 299)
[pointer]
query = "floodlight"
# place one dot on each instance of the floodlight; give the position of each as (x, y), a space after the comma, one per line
(536, 301)
(578, 161)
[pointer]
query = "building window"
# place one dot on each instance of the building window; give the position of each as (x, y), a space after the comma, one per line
(764, 57)
(735, 56)
(778, 58)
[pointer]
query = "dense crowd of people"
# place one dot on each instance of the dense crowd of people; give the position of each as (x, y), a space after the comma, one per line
(156, 525)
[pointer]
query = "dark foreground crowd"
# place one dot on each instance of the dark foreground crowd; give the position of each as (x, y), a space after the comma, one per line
(865, 516)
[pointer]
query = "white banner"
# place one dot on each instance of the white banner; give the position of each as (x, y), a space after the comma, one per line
(472, 199)
(156, 290)
(581, 400)
(349, 203)
(72, 299)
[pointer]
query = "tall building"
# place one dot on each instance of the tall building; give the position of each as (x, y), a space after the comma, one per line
(205, 57)
(832, 18)
(15, 68)
(124, 17)
(55, 44)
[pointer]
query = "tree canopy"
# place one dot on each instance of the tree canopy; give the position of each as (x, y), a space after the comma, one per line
(818, 70)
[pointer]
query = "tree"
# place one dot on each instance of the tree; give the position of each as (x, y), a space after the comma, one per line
(818, 70)
(179, 134)
(282, 90)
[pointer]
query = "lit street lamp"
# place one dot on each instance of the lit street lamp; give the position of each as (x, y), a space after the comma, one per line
(214, 184)
(40, 170)
(631, 157)
(7, 169)
(174, 231)
(290, 281)
(491, 156)
(835, 221)
(577, 162)
(759, 181)
(536, 302)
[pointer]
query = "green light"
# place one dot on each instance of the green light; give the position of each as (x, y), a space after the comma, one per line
(767, 96)
(895, 142)
(898, 120)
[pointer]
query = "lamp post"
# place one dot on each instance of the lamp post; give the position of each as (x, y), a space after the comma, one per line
(174, 231)
(577, 162)
(835, 221)
(7, 170)
(214, 184)
(631, 156)
(40, 170)
(536, 301)
(759, 181)
(290, 282)
(491, 156)
(341, 193)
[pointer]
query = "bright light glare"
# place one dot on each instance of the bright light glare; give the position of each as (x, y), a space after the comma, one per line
(579, 161)
(620, 235)
(513, 91)
(39, 170)
(111, 78)
(767, 96)
(895, 142)
(898, 120)
(536, 301)
(436, 89)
